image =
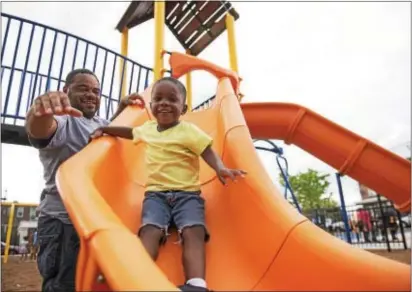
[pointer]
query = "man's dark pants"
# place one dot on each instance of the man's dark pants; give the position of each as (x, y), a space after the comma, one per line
(57, 257)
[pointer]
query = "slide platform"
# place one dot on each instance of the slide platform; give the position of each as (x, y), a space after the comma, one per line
(258, 240)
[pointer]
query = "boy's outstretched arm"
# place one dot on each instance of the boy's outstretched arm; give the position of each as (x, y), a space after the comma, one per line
(214, 161)
(121, 132)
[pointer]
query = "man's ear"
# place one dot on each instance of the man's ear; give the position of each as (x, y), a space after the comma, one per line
(184, 109)
(65, 89)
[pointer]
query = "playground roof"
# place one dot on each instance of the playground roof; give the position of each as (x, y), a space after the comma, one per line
(195, 24)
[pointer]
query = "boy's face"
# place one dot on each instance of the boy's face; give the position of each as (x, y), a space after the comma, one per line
(167, 103)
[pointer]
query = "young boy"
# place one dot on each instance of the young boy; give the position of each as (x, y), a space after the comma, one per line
(172, 193)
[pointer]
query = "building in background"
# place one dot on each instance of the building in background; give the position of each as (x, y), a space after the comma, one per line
(24, 217)
(369, 197)
(23, 230)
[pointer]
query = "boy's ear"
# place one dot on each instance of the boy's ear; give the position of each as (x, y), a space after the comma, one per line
(65, 89)
(184, 109)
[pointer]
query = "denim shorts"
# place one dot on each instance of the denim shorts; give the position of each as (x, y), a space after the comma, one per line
(57, 256)
(181, 209)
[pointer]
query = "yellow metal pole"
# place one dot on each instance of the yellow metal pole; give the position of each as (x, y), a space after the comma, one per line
(230, 26)
(124, 52)
(9, 231)
(159, 14)
(19, 204)
(189, 98)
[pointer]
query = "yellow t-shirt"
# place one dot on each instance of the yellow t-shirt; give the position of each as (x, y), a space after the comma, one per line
(172, 156)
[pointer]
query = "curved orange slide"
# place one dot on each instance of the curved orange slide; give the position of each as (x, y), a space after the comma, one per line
(258, 240)
(380, 170)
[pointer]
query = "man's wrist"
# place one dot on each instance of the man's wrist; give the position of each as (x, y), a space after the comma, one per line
(121, 106)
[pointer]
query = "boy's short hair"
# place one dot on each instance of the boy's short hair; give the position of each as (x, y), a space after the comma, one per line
(175, 81)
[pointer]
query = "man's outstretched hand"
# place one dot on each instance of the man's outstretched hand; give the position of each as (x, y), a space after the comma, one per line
(54, 103)
(225, 173)
(133, 99)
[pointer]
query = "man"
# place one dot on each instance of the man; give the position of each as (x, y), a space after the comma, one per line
(59, 125)
(34, 246)
(364, 223)
(391, 217)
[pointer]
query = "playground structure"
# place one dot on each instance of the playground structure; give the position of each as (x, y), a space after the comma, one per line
(263, 238)
(10, 224)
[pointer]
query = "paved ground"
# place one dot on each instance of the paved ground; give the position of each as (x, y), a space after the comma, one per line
(23, 276)
(403, 256)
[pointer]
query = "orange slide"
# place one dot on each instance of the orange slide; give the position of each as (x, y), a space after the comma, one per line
(258, 240)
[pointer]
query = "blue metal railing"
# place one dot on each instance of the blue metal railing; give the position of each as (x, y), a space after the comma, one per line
(205, 104)
(283, 170)
(36, 58)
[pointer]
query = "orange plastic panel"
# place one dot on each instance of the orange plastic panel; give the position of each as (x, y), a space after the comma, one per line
(183, 63)
(258, 240)
(377, 168)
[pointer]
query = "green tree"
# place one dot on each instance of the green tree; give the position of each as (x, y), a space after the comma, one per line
(310, 189)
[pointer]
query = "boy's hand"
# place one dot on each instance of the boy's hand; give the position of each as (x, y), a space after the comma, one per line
(224, 173)
(97, 133)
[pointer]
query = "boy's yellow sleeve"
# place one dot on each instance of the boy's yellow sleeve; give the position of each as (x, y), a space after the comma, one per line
(137, 134)
(198, 140)
(141, 131)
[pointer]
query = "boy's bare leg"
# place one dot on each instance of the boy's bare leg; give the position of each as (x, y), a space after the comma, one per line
(194, 255)
(151, 237)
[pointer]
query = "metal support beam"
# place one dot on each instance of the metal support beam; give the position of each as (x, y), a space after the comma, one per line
(189, 97)
(230, 26)
(124, 52)
(159, 13)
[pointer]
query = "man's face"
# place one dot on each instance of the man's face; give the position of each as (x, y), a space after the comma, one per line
(84, 94)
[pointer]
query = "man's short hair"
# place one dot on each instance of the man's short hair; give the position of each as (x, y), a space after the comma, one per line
(72, 74)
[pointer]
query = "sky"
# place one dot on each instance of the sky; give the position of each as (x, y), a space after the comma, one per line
(347, 61)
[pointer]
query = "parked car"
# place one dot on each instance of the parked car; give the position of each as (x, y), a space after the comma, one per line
(13, 249)
(406, 221)
(338, 226)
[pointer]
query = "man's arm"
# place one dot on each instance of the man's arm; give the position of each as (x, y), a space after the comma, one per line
(40, 121)
(42, 127)
(119, 110)
(133, 99)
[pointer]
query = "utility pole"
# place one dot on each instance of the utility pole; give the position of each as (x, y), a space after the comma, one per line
(4, 198)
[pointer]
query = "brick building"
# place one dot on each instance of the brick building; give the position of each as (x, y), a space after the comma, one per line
(26, 213)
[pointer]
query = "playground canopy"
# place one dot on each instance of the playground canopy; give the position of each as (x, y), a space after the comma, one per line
(195, 24)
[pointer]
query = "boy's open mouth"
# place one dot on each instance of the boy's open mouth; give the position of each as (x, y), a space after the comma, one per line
(164, 111)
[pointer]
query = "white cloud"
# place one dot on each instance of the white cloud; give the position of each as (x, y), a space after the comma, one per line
(349, 62)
